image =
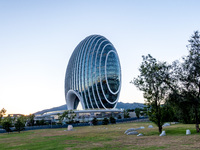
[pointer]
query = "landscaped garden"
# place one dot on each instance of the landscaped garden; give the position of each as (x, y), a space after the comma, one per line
(104, 137)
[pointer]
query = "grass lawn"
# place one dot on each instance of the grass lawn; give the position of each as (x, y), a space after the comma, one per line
(103, 137)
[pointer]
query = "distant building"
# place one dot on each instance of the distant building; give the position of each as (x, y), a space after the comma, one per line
(83, 115)
(15, 115)
(93, 75)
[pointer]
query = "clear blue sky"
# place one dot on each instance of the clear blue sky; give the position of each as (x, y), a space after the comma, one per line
(37, 38)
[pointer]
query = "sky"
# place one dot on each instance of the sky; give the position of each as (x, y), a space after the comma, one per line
(37, 38)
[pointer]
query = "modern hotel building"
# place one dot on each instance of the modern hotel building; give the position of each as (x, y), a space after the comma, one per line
(93, 75)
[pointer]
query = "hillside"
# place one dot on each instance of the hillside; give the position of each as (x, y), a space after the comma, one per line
(129, 105)
(62, 107)
(119, 106)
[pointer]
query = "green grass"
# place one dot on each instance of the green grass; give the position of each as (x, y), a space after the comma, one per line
(98, 137)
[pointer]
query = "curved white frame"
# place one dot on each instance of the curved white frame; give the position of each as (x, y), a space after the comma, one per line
(71, 95)
(112, 51)
(106, 77)
(100, 76)
(95, 72)
(83, 67)
(80, 68)
(89, 71)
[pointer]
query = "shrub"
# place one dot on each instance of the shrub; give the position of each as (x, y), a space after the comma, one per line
(126, 114)
(19, 125)
(6, 125)
(105, 121)
(94, 121)
(119, 117)
(112, 120)
(137, 112)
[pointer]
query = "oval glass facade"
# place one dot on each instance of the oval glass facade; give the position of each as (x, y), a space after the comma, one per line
(93, 75)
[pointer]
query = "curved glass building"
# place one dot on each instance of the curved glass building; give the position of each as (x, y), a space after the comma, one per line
(93, 75)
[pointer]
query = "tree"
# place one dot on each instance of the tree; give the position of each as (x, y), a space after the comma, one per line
(69, 115)
(126, 114)
(137, 112)
(152, 81)
(20, 124)
(191, 74)
(187, 75)
(144, 111)
(181, 108)
(7, 123)
(2, 113)
(30, 119)
(168, 112)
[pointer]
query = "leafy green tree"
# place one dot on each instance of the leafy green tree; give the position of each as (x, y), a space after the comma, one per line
(105, 121)
(191, 75)
(7, 124)
(20, 124)
(186, 89)
(151, 81)
(40, 122)
(181, 108)
(168, 112)
(62, 116)
(143, 112)
(137, 112)
(30, 119)
(69, 115)
(126, 114)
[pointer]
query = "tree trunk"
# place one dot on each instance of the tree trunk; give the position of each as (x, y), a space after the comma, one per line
(158, 114)
(160, 129)
(159, 120)
(197, 119)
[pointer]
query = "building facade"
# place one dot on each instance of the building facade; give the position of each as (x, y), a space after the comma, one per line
(93, 75)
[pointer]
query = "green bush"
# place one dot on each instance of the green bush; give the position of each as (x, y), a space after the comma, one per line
(6, 125)
(59, 123)
(94, 121)
(119, 117)
(19, 125)
(112, 120)
(137, 112)
(105, 121)
(126, 114)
